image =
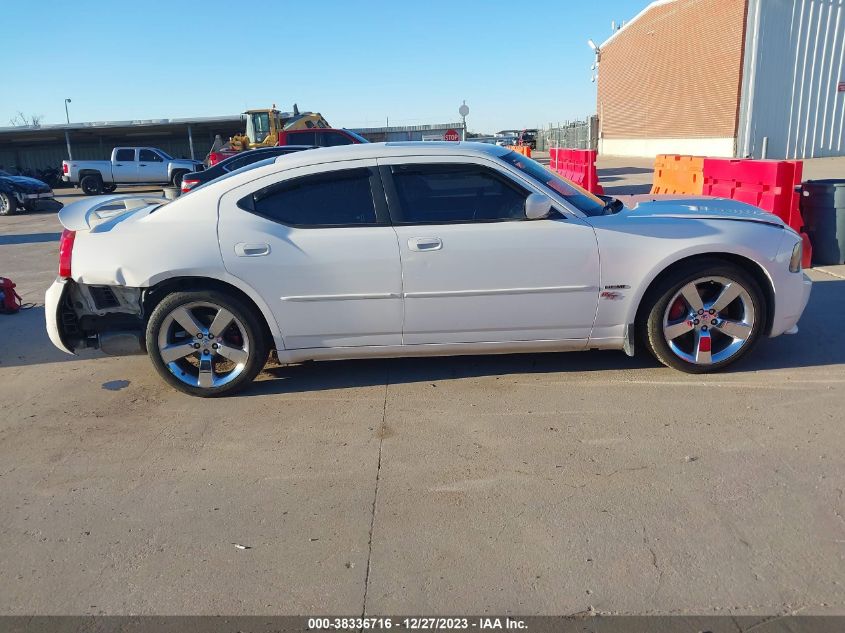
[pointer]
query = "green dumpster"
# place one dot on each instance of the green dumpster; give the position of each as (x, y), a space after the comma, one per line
(823, 210)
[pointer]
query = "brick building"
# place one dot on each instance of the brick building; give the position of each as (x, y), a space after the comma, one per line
(725, 78)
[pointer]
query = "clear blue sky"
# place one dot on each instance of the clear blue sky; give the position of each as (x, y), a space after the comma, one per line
(517, 64)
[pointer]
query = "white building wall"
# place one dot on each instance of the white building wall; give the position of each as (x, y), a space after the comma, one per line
(794, 54)
(650, 147)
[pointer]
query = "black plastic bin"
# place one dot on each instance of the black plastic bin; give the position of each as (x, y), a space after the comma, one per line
(823, 210)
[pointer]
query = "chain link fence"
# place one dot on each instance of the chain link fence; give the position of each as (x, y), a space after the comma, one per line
(577, 134)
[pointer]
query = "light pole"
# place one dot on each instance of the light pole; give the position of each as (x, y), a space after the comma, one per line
(67, 101)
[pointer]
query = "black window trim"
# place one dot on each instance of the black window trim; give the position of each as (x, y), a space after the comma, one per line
(396, 208)
(376, 191)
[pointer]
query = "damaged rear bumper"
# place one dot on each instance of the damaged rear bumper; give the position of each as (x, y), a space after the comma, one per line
(53, 302)
(75, 320)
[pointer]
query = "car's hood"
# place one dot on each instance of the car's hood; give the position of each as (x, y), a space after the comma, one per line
(699, 209)
(26, 185)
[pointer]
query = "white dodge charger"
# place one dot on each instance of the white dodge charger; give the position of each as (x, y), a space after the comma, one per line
(414, 249)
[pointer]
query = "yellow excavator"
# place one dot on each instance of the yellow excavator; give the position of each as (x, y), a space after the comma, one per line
(263, 126)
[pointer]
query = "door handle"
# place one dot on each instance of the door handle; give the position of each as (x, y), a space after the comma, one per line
(425, 243)
(141, 165)
(118, 164)
(251, 250)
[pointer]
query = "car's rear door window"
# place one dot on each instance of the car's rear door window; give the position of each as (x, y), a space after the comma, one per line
(124, 155)
(301, 138)
(453, 193)
(338, 198)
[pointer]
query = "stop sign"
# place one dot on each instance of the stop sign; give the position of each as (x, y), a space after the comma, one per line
(451, 135)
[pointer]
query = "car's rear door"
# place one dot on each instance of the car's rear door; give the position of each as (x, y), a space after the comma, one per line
(474, 269)
(125, 165)
(317, 244)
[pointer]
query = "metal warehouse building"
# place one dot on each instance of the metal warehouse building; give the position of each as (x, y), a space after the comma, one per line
(34, 147)
(747, 78)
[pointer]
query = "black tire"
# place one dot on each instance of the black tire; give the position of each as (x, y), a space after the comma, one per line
(176, 180)
(109, 187)
(91, 185)
(245, 317)
(656, 305)
(8, 204)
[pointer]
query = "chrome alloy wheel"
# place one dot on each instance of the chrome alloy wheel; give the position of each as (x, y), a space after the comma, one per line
(203, 344)
(709, 320)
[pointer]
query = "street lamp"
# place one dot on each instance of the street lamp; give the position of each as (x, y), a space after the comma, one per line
(67, 101)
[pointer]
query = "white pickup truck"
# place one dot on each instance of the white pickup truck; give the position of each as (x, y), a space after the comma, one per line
(128, 165)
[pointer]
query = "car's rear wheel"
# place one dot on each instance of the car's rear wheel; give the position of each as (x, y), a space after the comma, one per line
(8, 204)
(177, 178)
(704, 316)
(109, 187)
(91, 185)
(206, 343)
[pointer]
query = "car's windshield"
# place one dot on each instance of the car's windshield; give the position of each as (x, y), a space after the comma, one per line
(165, 154)
(578, 197)
(358, 137)
(3, 172)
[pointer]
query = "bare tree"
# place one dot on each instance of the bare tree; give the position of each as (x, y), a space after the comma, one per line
(20, 119)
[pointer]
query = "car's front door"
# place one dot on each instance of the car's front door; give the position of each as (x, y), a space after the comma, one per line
(318, 246)
(474, 269)
(151, 166)
(124, 167)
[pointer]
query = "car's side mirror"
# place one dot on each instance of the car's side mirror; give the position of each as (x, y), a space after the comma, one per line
(537, 206)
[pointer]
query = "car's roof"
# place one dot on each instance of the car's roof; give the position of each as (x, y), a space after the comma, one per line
(384, 150)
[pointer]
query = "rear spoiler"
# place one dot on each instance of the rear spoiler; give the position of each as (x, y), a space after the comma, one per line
(86, 214)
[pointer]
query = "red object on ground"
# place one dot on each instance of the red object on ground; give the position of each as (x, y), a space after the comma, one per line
(451, 135)
(11, 300)
(768, 184)
(577, 165)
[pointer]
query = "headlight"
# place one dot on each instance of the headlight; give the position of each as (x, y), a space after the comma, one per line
(795, 260)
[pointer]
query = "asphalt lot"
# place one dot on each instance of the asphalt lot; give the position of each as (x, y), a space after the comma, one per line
(534, 484)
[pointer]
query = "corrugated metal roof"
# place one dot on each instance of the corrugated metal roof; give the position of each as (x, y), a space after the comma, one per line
(60, 127)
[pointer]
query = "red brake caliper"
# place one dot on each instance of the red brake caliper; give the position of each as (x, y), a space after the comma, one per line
(677, 310)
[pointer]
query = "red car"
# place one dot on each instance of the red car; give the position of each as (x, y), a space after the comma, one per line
(320, 137)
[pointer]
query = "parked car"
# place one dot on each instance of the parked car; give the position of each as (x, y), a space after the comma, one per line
(312, 137)
(415, 249)
(128, 165)
(22, 193)
(320, 137)
(241, 159)
(527, 138)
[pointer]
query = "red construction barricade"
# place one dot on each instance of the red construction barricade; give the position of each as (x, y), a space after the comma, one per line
(577, 165)
(768, 184)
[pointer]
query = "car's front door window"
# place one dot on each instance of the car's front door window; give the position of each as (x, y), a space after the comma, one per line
(454, 193)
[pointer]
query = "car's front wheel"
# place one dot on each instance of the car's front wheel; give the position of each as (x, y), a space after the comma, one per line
(8, 204)
(206, 343)
(704, 316)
